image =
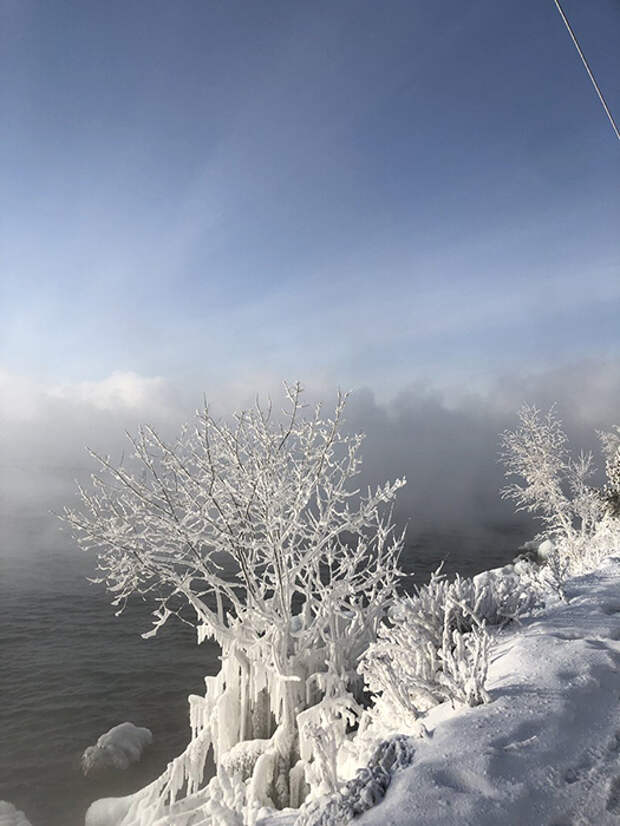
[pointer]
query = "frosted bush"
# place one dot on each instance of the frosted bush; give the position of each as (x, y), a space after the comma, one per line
(581, 521)
(610, 442)
(435, 648)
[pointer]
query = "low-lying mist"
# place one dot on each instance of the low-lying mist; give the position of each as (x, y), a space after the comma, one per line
(445, 444)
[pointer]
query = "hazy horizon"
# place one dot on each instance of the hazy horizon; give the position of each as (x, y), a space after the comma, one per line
(446, 444)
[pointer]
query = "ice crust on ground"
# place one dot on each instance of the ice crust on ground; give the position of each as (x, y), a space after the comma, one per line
(10, 816)
(118, 748)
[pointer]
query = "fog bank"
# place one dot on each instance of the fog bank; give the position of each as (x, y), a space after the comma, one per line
(444, 441)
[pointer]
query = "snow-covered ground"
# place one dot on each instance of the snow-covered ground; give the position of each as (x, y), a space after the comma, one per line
(546, 750)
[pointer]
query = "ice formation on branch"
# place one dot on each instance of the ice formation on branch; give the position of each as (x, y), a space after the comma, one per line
(253, 532)
(118, 748)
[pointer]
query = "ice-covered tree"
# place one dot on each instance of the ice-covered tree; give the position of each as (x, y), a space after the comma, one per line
(254, 532)
(551, 484)
(610, 442)
(580, 519)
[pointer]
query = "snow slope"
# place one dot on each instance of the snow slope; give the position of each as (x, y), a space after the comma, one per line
(546, 750)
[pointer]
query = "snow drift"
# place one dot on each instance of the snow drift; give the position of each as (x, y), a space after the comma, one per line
(546, 750)
(118, 748)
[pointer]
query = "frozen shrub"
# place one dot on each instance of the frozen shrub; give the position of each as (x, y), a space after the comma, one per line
(580, 520)
(610, 442)
(434, 648)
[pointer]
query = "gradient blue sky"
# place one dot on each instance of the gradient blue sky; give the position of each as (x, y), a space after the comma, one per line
(367, 193)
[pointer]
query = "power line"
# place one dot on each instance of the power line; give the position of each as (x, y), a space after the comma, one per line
(588, 69)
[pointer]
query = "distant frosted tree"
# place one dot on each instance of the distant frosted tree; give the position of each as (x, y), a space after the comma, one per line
(579, 518)
(551, 484)
(610, 442)
(253, 532)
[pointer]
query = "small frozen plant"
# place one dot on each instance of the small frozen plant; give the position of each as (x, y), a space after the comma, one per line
(118, 748)
(434, 648)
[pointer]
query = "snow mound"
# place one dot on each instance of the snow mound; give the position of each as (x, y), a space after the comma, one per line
(117, 748)
(108, 811)
(546, 750)
(10, 816)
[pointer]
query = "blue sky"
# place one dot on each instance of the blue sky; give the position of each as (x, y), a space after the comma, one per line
(362, 193)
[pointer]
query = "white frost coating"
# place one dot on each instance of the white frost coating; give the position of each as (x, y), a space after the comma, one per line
(10, 816)
(118, 748)
(322, 732)
(262, 779)
(363, 791)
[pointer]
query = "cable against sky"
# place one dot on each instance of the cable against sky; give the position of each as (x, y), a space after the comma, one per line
(588, 69)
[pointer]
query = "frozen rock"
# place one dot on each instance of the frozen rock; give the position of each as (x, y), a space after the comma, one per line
(117, 748)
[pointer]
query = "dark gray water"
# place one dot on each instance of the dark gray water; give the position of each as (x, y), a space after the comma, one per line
(70, 669)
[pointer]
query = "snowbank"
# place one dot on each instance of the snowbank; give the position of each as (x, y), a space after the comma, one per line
(546, 750)
(10, 816)
(117, 748)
